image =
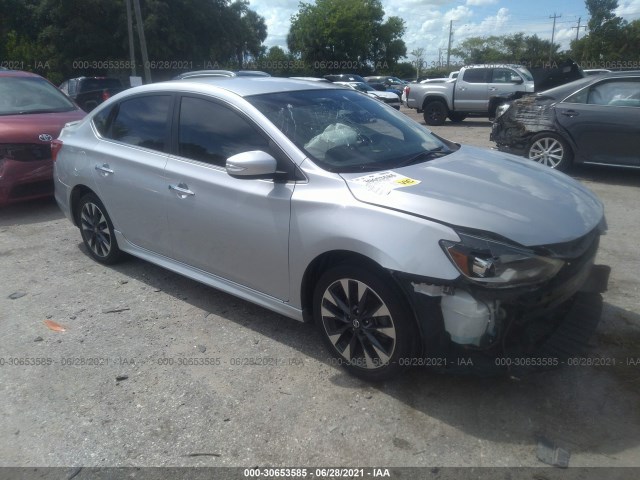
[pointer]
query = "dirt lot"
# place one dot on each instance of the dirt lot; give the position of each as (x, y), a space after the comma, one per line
(119, 388)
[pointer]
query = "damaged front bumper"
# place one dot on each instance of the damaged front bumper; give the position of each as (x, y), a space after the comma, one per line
(468, 328)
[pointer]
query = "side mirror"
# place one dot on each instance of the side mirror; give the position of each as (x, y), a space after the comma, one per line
(254, 164)
(517, 79)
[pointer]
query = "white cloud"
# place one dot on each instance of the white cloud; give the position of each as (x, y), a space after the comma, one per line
(479, 3)
(628, 8)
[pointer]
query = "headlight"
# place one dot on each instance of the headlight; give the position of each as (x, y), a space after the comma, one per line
(490, 262)
(502, 109)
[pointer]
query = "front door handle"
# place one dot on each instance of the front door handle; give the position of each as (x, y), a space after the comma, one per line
(104, 168)
(182, 190)
(570, 113)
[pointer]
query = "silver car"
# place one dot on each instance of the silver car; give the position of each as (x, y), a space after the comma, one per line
(322, 204)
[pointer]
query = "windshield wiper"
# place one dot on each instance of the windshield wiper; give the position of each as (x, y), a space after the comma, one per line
(424, 155)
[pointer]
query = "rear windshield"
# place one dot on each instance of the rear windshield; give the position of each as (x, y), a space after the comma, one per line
(90, 84)
(25, 95)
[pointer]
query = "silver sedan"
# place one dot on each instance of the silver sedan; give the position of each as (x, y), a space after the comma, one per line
(322, 204)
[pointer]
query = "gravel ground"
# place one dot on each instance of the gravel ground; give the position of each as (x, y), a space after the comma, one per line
(119, 388)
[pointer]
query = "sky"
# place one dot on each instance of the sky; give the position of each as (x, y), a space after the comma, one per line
(427, 21)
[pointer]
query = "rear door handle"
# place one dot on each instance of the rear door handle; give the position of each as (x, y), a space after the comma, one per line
(492, 89)
(182, 190)
(104, 168)
(570, 113)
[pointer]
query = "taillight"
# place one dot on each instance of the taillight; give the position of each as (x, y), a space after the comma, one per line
(406, 91)
(56, 146)
(105, 95)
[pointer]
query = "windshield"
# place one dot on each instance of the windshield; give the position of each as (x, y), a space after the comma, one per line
(563, 91)
(24, 95)
(363, 87)
(344, 131)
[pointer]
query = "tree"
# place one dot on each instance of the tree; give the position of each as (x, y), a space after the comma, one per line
(608, 37)
(348, 34)
(86, 37)
(515, 48)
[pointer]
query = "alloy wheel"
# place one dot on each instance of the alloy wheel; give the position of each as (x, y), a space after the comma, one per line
(358, 324)
(547, 151)
(95, 229)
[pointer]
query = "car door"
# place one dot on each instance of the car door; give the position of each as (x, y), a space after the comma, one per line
(602, 121)
(471, 90)
(502, 81)
(234, 228)
(128, 167)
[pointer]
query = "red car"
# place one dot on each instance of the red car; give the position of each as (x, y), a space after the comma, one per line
(32, 113)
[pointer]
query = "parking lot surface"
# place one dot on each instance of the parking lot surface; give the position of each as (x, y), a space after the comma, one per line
(153, 369)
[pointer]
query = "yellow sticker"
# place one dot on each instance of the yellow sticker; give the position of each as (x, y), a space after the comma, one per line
(407, 182)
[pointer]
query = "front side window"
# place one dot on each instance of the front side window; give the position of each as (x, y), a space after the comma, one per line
(502, 75)
(211, 133)
(621, 93)
(140, 121)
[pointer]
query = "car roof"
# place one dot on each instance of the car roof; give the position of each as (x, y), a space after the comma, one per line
(242, 86)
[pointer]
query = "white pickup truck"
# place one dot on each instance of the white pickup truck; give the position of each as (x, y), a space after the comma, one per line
(478, 89)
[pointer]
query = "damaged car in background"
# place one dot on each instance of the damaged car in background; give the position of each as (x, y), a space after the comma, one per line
(324, 205)
(593, 120)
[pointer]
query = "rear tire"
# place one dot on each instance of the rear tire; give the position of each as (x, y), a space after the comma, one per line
(97, 230)
(435, 113)
(365, 322)
(457, 117)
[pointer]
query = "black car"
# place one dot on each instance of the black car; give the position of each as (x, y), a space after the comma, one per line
(593, 120)
(89, 92)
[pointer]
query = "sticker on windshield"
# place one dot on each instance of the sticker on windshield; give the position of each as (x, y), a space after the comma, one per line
(381, 183)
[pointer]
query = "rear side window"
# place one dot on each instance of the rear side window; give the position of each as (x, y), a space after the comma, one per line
(477, 75)
(141, 121)
(211, 133)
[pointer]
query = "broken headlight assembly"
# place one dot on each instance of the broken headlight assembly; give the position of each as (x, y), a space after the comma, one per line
(497, 264)
(501, 110)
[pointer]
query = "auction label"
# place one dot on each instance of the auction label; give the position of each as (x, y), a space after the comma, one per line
(381, 183)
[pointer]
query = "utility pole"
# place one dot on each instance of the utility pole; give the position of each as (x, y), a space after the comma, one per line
(440, 57)
(450, 41)
(553, 34)
(132, 54)
(143, 41)
(579, 27)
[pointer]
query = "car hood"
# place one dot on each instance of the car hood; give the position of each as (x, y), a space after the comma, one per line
(487, 190)
(27, 128)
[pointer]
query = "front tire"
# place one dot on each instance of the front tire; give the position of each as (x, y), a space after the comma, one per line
(551, 150)
(435, 113)
(97, 230)
(365, 322)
